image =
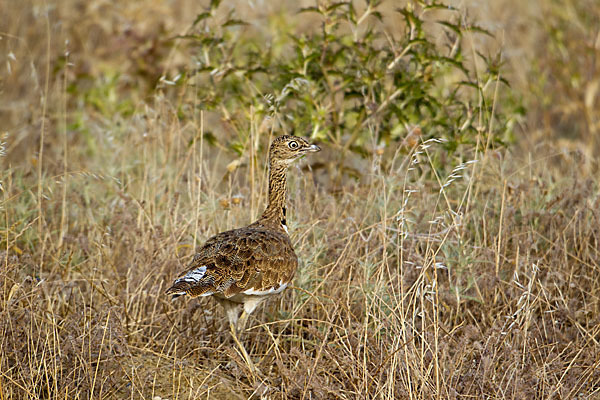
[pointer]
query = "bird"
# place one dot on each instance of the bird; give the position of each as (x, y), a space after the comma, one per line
(240, 268)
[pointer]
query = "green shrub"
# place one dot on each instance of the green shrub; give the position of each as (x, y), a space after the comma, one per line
(352, 82)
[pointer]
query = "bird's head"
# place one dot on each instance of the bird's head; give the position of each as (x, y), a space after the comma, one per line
(285, 149)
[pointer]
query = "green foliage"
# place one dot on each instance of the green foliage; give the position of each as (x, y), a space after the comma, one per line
(351, 82)
(102, 93)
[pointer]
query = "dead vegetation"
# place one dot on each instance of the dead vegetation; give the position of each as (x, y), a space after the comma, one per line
(412, 286)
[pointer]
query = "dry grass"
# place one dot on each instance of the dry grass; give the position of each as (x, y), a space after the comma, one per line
(487, 288)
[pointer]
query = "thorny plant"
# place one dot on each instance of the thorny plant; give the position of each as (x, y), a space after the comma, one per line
(351, 82)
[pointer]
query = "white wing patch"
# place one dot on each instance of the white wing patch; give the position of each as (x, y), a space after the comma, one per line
(272, 290)
(176, 295)
(193, 276)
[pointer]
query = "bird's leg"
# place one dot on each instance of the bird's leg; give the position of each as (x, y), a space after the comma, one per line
(231, 309)
(250, 305)
(241, 324)
(242, 348)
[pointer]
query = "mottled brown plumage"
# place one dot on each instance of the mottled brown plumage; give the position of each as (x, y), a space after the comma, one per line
(246, 265)
(255, 258)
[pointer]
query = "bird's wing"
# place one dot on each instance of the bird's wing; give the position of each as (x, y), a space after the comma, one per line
(247, 260)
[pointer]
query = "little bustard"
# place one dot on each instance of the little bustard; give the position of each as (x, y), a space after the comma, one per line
(244, 266)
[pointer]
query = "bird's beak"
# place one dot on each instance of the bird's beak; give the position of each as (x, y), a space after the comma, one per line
(313, 148)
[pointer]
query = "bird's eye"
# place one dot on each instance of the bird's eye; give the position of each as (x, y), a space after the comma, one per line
(293, 145)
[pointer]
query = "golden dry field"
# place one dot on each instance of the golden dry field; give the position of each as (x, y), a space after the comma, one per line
(448, 232)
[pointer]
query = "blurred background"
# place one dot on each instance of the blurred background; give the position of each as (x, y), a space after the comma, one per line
(448, 232)
(106, 58)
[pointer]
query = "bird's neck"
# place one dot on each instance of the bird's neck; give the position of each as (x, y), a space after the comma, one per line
(275, 214)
